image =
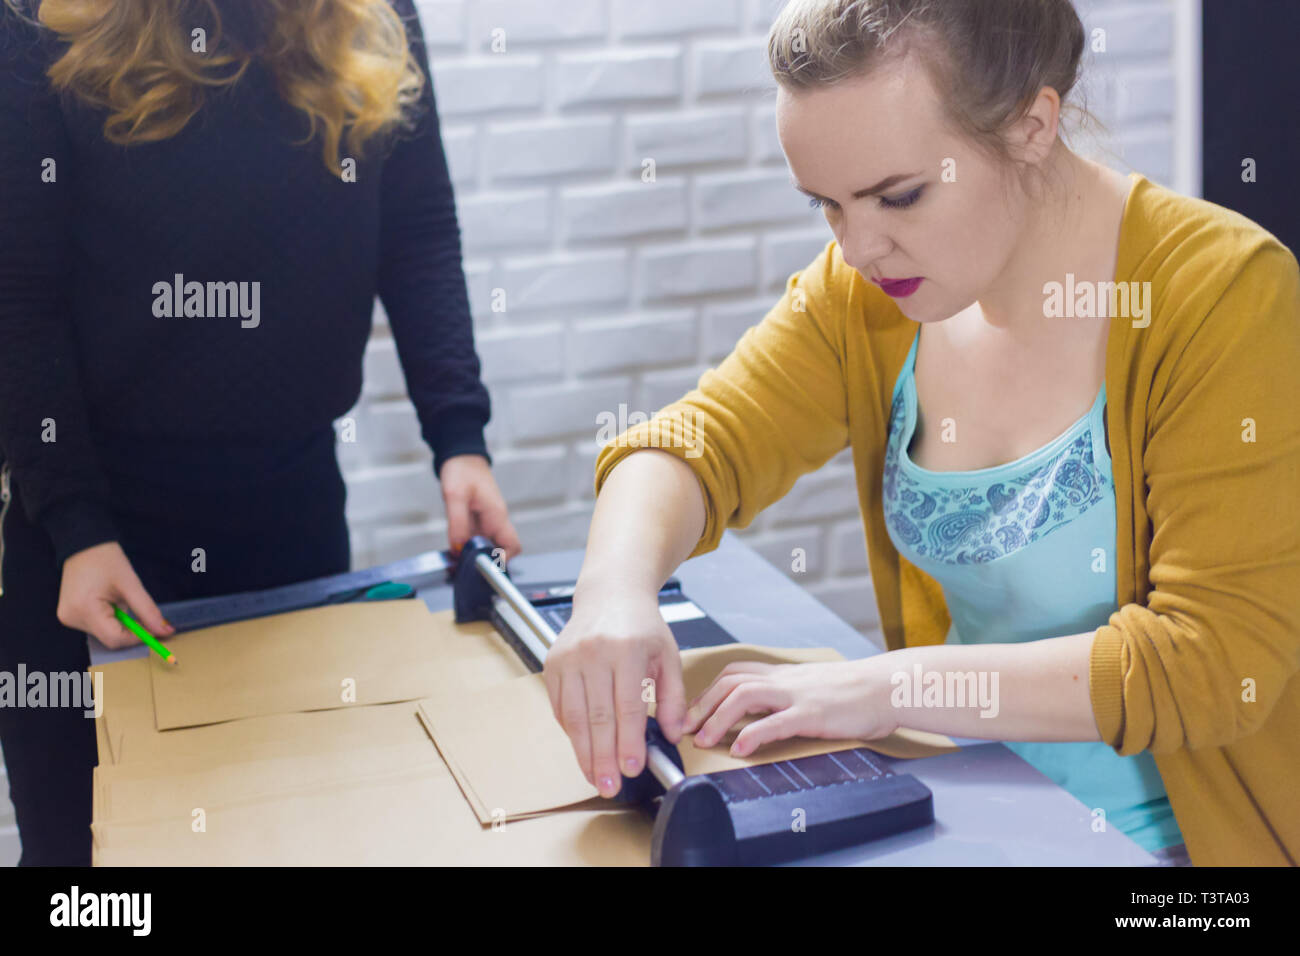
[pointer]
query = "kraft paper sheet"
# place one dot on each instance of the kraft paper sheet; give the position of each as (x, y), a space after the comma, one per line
(305, 660)
(353, 785)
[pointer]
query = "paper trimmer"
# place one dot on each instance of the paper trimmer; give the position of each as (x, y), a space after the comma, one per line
(757, 815)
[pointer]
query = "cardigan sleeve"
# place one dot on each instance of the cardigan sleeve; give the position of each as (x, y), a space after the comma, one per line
(1204, 661)
(773, 410)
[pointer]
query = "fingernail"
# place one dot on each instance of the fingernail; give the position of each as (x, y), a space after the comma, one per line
(606, 784)
(630, 763)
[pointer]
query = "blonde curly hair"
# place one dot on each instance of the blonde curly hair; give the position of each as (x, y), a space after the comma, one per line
(346, 64)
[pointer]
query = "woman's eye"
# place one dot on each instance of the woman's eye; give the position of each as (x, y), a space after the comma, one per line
(821, 203)
(904, 201)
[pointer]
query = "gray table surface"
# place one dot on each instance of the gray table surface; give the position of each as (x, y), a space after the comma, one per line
(991, 808)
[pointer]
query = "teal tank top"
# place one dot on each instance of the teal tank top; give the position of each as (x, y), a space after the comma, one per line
(1025, 551)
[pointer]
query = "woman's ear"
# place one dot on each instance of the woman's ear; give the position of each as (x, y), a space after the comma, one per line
(1035, 134)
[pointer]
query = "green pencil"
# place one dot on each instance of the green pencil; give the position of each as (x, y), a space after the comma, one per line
(132, 625)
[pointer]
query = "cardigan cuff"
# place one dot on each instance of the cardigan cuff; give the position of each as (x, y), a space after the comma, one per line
(1106, 686)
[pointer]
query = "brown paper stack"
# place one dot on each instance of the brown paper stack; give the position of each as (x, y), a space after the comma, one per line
(294, 740)
(335, 783)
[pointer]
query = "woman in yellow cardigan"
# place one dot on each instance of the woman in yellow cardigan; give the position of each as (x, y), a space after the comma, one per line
(1071, 402)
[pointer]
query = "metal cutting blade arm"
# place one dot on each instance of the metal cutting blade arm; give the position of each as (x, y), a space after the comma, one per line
(540, 638)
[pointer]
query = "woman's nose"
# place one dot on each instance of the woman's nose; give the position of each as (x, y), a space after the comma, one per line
(861, 247)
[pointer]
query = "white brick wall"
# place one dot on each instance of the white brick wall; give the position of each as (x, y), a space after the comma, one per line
(621, 291)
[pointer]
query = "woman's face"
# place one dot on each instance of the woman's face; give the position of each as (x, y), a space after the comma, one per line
(941, 213)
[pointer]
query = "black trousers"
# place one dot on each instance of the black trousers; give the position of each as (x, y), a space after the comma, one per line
(260, 516)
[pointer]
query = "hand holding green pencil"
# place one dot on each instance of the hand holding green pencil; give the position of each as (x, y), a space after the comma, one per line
(95, 581)
(132, 625)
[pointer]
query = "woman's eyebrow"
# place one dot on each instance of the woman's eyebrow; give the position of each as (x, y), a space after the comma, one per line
(861, 193)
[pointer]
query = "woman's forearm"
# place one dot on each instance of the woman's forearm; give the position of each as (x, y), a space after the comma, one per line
(1035, 691)
(648, 518)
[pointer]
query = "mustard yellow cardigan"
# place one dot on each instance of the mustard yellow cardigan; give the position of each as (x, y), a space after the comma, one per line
(1199, 663)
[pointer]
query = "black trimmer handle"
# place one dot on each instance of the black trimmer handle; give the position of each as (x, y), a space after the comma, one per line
(694, 827)
(471, 594)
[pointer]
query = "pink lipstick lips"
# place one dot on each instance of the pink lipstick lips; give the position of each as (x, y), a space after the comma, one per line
(899, 288)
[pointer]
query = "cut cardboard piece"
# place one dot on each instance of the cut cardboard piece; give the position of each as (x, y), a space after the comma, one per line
(319, 659)
(512, 758)
(475, 657)
(480, 658)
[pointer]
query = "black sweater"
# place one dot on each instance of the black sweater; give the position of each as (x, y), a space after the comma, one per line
(235, 197)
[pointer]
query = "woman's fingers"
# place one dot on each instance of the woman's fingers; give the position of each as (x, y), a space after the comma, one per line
(779, 725)
(669, 691)
(142, 607)
(474, 505)
(573, 717)
(466, 518)
(728, 678)
(752, 697)
(456, 506)
(494, 522)
(617, 649)
(99, 620)
(94, 581)
(704, 705)
(630, 711)
(601, 722)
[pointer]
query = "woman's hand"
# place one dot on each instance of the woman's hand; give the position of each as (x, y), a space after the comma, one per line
(96, 579)
(612, 659)
(838, 700)
(473, 504)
